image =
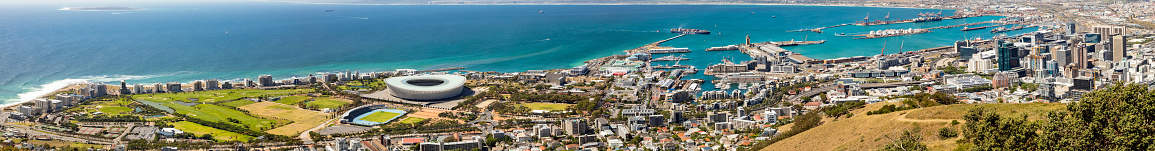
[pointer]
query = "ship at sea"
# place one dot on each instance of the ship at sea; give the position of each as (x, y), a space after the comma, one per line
(681, 30)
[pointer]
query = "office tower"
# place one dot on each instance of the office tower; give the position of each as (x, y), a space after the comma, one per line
(1008, 57)
(1092, 38)
(212, 84)
(1061, 56)
(1118, 48)
(265, 80)
(1079, 56)
(1071, 28)
(1107, 31)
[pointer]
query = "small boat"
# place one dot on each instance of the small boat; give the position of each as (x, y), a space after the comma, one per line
(541, 12)
(773, 16)
(751, 13)
(328, 10)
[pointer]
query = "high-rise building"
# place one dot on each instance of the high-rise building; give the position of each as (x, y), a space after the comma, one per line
(173, 87)
(138, 88)
(99, 89)
(1118, 48)
(1008, 56)
(124, 87)
(198, 85)
(1061, 56)
(575, 126)
(1092, 38)
(265, 80)
(212, 84)
(249, 83)
(1079, 56)
(158, 88)
(312, 79)
(1071, 28)
(676, 117)
(1108, 31)
(226, 85)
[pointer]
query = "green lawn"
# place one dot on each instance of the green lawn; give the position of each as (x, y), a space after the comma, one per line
(210, 112)
(292, 100)
(411, 120)
(380, 116)
(327, 102)
(546, 106)
(219, 135)
(115, 110)
(237, 103)
(353, 85)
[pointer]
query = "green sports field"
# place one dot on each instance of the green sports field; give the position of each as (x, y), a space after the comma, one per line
(327, 102)
(380, 116)
(293, 100)
(219, 135)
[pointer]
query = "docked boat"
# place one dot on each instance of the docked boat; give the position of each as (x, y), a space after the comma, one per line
(669, 50)
(681, 30)
(670, 58)
(975, 28)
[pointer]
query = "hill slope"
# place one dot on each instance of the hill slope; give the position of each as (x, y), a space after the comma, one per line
(871, 132)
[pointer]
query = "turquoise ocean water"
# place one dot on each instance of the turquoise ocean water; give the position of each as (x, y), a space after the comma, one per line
(43, 48)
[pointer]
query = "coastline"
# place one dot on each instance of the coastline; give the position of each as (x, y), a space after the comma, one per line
(56, 86)
(610, 4)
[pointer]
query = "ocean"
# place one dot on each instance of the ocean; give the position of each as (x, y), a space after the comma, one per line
(43, 48)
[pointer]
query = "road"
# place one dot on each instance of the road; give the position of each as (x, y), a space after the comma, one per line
(36, 132)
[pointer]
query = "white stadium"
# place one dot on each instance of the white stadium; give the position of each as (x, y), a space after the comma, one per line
(425, 87)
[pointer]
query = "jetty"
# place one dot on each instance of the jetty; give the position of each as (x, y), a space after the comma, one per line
(646, 48)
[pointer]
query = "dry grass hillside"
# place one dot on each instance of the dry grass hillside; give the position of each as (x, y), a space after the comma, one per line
(872, 132)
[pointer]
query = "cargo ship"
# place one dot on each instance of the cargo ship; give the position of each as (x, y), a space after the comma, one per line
(681, 30)
(975, 28)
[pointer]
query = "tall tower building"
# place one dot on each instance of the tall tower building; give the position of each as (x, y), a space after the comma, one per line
(1118, 48)
(212, 84)
(265, 80)
(124, 87)
(1008, 57)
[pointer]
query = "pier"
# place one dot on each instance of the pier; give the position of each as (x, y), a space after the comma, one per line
(646, 48)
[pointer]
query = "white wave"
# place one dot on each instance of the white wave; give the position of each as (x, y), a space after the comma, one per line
(60, 84)
(43, 90)
(65, 8)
